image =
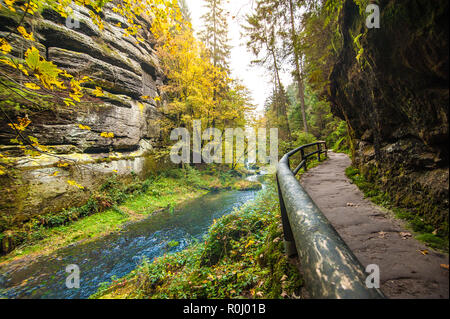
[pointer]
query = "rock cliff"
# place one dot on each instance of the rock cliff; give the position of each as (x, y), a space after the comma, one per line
(395, 99)
(125, 71)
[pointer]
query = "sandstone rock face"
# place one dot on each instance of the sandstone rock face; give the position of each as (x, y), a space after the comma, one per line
(396, 101)
(125, 71)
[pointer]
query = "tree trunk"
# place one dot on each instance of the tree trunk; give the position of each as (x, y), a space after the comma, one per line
(301, 88)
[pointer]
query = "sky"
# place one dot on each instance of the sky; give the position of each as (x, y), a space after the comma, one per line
(255, 78)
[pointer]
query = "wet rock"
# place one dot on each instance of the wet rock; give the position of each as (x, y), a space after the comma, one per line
(125, 71)
(397, 103)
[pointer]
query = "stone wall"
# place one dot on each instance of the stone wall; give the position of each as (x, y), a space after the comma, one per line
(126, 71)
(395, 100)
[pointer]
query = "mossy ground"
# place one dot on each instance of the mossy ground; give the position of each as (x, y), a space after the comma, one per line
(425, 232)
(241, 257)
(115, 204)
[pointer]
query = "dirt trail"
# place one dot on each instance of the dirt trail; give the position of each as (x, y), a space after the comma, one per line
(374, 235)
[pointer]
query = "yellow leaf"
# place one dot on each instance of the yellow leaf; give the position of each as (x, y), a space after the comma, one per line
(22, 124)
(65, 74)
(73, 183)
(251, 242)
(25, 34)
(22, 68)
(84, 127)
(424, 252)
(55, 173)
(98, 91)
(5, 47)
(10, 4)
(68, 102)
(32, 86)
(8, 62)
(107, 135)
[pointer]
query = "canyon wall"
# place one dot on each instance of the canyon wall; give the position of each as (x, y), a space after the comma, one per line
(395, 100)
(125, 71)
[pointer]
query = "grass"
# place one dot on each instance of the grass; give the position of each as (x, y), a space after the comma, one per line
(241, 257)
(113, 205)
(423, 231)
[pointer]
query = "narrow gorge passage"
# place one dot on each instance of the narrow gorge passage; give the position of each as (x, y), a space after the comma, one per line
(374, 235)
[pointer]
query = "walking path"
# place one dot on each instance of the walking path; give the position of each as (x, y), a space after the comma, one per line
(375, 237)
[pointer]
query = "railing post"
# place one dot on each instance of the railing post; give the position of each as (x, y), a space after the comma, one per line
(319, 149)
(302, 151)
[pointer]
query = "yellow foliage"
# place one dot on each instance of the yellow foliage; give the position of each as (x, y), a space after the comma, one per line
(8, 61)
(25, 34)
(10, 4)
(107, 135)
(62, 164)
(45, 71)
(98, 91)
(22, 124)
(84, 127)
(5, 47)
(32, 86)
(73, 183)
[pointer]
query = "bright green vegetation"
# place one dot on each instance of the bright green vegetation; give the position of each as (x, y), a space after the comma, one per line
(424, 231)
(116, 203)
(241, 257)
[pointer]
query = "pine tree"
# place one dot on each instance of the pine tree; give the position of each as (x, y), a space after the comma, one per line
(261, 30)
(215, 33)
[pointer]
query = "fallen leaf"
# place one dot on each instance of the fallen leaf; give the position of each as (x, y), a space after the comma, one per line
(444, 266)
(405, 235)
(424, 252)
(382, 234)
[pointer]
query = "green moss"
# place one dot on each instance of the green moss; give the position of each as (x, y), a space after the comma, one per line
(242, 257)
(132, 200)
(423, 228)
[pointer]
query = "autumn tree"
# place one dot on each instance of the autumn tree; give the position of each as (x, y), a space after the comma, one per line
(192, 83)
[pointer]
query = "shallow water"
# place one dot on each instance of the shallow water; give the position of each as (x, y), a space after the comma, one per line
(119, 253)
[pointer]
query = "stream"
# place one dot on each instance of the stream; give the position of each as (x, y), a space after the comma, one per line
(119, 253)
